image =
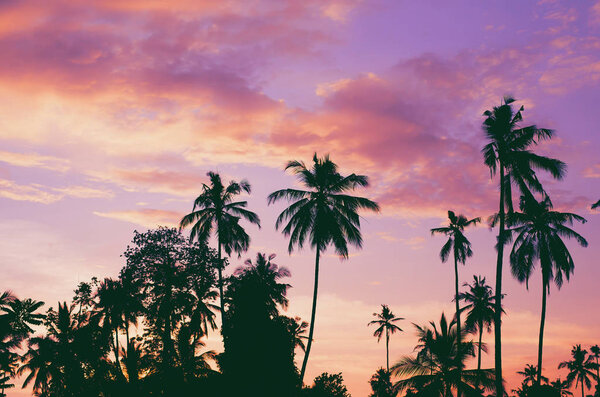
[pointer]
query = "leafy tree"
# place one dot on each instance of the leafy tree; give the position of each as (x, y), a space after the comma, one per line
(460, 247)
(168, 269)
(381, 384)
(539, 237)
(215, 209)
(328, 385)
(385, 321)
(479, 306)
(581, 368)
(434, 370)
(324, 214)
(508, 153)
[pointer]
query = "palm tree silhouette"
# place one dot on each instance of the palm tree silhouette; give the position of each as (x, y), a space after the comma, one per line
(381, 384)
(530, 373)
(595, 352)
(385, 321)
(110, 297)
(480, 310)
(581, 368)
(298, 330)
(461, 248)
(507, 152)
(215, 209)
(539, 232)
(435, 369)
(324, 214)
(562, 386)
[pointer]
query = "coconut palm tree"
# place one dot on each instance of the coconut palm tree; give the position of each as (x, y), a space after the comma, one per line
(539, 237)
(298, 330)
(109, 305)
(381, 384)
(385, 322)
(215, 209)
(461, 249)
(324, 214)
(595, 352)
(581, 368)
(508, 153)
(267, 275)
(480, 310)
(529, 374)
(434, 370)
(562, 386)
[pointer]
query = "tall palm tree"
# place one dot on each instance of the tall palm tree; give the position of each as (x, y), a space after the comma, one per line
(434, 370)
(480, 310)
(539, 238)
(581, 368)
(385, 321)
(324, 214)
(507, 152)
(461, 249)
(215, 209)
(109, 305)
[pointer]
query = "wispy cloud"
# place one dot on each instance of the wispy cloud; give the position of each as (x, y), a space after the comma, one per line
(147, 217)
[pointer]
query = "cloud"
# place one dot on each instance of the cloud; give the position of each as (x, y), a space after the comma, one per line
(592, 172)
(37, 193)
(35, 160)
(146, 217)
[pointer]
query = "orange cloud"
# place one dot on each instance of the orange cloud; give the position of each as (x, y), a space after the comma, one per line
(147, 217)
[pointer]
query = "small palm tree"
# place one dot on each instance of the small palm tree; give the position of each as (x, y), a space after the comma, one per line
(539, 238)
(508, 153)
(298, 330)
(385, 322)
(324, 214)
(480, 310)
(581, 368)
(529, 374)
(562, 386)
(215, 209)
(435, 369)
(461, 249)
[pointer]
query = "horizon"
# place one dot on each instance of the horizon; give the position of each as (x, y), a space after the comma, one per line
(112, 114)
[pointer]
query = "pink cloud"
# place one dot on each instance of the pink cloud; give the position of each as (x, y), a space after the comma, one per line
(150, 218)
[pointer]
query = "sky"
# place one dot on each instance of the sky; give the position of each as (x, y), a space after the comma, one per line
(112, 112)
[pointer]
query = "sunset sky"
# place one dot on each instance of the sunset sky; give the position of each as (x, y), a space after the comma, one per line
(112, 112)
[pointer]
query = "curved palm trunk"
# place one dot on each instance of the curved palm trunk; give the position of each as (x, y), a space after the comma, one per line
(387, 349)
(542, 324)
(458, 328)
(312, 318)
(498, 300)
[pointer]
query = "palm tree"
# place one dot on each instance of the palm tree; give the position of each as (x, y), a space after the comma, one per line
(110, 298)
(581, 368)
(595, 352)
(539, 232)
(480, 310)
(461, 248)
(385, 321)
(507, 152)
(298, 330)
(324, 214)
(530, 373)
(267, 274)
(192, 365)
(562, 386)
(434, 370)
(216, 209)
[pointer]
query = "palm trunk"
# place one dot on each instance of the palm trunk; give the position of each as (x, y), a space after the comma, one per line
(387, 349)
(458, 329)
(479, 355)
(582, 389)
(312, 318)
(498, 300)
(542, 324)
(117, 350)
(220, 273)
(127, 336)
